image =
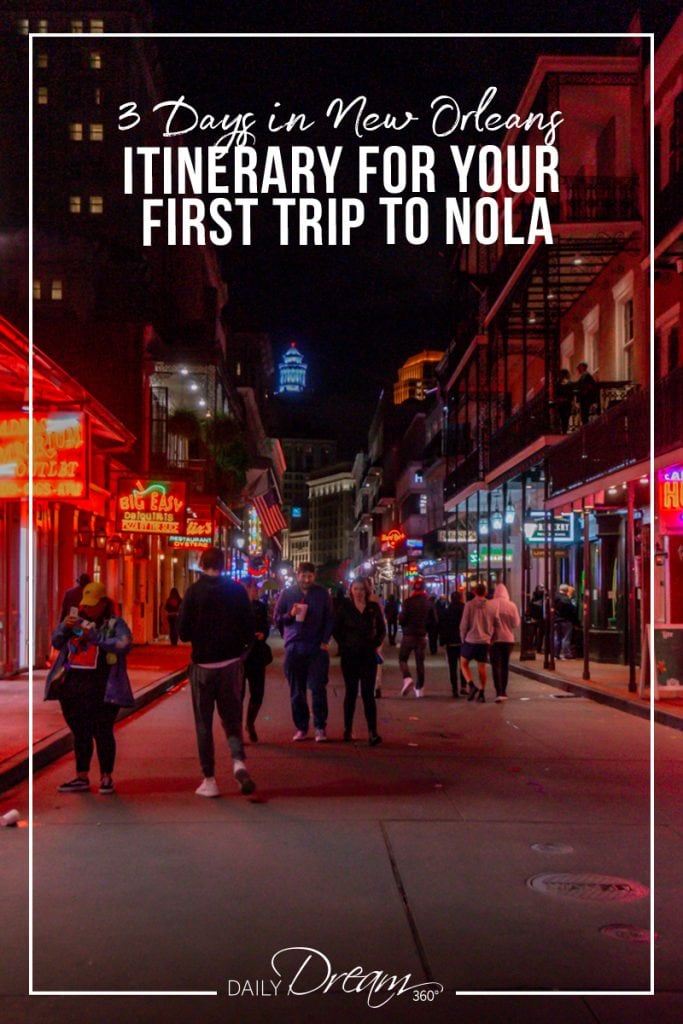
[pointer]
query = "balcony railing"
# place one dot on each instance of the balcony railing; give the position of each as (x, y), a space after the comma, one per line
(469, 471)
(193, 471)
(668, 410)
(520, 430)
(586, 200)
(613, 441)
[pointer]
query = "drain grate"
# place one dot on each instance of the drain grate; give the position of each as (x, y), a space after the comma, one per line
(552, 848)
(588, 888)
(628, 933)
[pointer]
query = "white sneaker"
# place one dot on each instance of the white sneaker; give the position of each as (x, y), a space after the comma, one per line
(246, 783)
(407, 683)
(320, 736)
(209, 787)
(419, 693)
(298, 736)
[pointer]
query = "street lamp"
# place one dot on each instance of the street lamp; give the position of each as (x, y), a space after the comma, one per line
(496, 519)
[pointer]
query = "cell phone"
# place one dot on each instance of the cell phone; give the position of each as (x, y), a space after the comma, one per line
(73, 612)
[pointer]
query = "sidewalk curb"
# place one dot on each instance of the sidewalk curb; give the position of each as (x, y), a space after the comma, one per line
(16, 769)
(639, 709)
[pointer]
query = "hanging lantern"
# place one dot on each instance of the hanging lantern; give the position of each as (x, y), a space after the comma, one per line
(483, 527)
(496, 519)
(509, 514)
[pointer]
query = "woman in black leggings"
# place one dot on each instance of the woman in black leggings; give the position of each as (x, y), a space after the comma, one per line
(359, 630)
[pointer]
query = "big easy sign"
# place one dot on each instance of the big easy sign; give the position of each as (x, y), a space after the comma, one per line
(151, 506)
(60, 455)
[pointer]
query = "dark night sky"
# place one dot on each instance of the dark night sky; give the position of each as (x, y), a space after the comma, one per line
(358, 312)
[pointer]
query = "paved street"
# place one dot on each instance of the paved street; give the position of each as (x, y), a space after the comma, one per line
(409, 859)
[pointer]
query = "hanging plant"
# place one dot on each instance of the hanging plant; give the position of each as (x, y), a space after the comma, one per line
(228, 454)
(184, 423)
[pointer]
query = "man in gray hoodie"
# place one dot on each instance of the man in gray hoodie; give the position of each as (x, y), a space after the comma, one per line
(476, 631)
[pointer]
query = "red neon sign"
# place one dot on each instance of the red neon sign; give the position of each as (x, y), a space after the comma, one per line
(151, 506)
(393, 537)
(60, 455)
(670, 499)
(199, 534)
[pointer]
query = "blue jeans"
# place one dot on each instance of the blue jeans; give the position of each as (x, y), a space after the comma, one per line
(308, 670)
(563, 638)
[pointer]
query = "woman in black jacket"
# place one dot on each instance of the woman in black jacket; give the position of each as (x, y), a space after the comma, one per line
(257, 660)
(359, 630)
(449, 637)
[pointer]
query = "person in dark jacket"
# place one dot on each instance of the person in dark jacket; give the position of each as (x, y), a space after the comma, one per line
(259, 657)
(172, 609)
(417, 616)
(359, 630)
(433, 626)
(587, 392)
(391, 616)
(72, 596)
(449, 637)
(304, 616)
(564, 396)
(216, 618)
(90, 681)
(565, 617)
(536, 615)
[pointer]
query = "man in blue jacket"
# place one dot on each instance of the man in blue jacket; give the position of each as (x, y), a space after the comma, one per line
(216, 618)
(304, 615)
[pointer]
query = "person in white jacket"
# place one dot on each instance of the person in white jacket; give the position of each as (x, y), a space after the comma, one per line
(507, 620)
(476, 631)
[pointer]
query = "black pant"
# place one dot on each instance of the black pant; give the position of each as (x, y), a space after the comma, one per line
(173, 629)
(433, 635)
(500, 665)
(255, 675)
(219, 688)
(92, 723)
(392, 628)
(359, 667)
(454, 671)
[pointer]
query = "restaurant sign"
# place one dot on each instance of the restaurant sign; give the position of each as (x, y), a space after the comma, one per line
(538, 523)
(151, 506)
(670, 499)
(198, 534)
(60, 455)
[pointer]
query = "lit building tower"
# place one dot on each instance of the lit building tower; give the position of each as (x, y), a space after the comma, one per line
(293, 370)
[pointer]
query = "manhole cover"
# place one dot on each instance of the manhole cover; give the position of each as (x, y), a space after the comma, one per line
(552, 848)
(589, 888)
(627, 933)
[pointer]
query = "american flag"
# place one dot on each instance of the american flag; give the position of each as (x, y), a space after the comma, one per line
(269, 512)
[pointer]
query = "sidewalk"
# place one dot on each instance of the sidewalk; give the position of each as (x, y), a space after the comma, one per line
(153, 669)
(608, 685)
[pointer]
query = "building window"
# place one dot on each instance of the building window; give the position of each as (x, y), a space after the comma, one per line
(37, 290)
(96, 25)
(673, 348)
(42, 25)
(98, 96)
(56, 290)
(591, 326)
(74, 204)
(624, 322)
(96, 132)
(41, 60)
(76, 24)
(95, 60)
(22, 26)
(42, 95)
(76, 131)
(96, 204)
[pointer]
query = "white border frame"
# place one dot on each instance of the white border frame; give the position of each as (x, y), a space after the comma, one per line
(331, 35)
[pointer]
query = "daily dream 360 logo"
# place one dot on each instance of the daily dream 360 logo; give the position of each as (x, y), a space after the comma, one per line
(303, 971)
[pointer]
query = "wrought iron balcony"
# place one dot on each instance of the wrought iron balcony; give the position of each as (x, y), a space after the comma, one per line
(583, 200)
(520, 430)
(471, 469)
(668, 410)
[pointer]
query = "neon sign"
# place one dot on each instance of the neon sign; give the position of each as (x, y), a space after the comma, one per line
(392, 537)
(670, 499)
(151, 507)
(60, 455)
(199, 535)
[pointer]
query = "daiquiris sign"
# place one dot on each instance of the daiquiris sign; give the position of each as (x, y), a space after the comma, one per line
(151, 506)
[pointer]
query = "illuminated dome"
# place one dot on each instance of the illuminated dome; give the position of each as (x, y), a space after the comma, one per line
(292, 372)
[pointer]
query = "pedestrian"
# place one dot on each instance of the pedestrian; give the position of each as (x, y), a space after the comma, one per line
(257, 660)
(172, 609)
(304, 616)
(564, 396)
(90, 681)
(379, 661)
(536, 615)
(391, 610)
(433, 626)
(507, 619)
(72, 596)
(216, 618)
(359, 630)
(587, 392)
(476, 633)
(415, 619)
(449, 637)
(565, 619)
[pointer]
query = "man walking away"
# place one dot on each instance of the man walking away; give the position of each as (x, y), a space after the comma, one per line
(417, 617)
(216, 618)
(476, 631)
(304, 615)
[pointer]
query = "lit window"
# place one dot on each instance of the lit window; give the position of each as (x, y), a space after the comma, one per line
(98, 96)
(96, 25)
(96, 204)
(95, 60)
(76, 24)
(37, 289)
(96, 133)
(41, 60)
(74, 204)
(76, 131)
(423, 504)
(56, 292)
(42, 95)
(22, 26)
(42, 25)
